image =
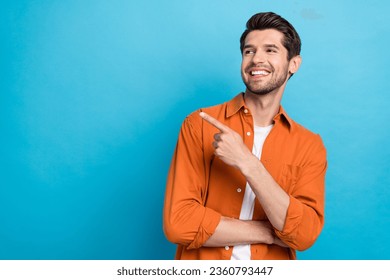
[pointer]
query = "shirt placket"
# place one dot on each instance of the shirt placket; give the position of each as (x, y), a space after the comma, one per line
(248, 133)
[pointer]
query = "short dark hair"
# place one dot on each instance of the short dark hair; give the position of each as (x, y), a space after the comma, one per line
(270, 20)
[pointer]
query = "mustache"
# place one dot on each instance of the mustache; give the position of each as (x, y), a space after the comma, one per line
(264, 66)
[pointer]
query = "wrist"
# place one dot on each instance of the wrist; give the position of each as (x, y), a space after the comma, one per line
(250, 166)
(262, 232)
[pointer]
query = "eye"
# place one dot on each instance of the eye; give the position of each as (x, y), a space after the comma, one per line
(249, 52)
(271, 50)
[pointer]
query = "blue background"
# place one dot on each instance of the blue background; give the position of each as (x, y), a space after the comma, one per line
(92, 95)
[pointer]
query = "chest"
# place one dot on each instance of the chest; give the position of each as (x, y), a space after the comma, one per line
(226, 184)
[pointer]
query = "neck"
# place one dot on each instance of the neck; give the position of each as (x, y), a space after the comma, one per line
(263, 107)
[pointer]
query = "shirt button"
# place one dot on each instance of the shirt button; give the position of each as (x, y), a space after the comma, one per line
(248, 133)
(246, 111)
(226, 248)
(239, 190)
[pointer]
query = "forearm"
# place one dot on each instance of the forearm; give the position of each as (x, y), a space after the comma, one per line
(274, 200)
(237, 232)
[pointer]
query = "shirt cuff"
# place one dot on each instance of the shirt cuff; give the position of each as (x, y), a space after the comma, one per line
(293, 219)
(206, 229)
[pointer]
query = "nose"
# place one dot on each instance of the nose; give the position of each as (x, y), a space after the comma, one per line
(259, 57)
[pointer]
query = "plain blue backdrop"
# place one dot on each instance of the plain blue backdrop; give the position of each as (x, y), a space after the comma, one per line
(93, 93)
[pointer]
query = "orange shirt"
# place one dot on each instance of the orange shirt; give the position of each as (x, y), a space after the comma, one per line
(201, 188)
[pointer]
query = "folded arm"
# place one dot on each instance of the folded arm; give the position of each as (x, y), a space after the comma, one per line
(238, 232)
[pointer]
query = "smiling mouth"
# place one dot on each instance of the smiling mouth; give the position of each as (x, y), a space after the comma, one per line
(255, 73)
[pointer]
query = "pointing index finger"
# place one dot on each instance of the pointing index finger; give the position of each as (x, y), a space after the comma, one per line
(214, 122)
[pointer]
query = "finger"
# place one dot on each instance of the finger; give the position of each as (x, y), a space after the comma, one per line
(215, 145)
(217, 137)
(214, 122)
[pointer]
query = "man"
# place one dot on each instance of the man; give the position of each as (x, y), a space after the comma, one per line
(246, 181)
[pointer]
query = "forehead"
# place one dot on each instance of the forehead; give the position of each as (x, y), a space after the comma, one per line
(265, 37)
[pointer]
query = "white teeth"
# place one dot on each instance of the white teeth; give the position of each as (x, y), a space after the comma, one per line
(260, 72)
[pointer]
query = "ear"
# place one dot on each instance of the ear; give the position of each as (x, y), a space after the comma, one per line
(294, 64)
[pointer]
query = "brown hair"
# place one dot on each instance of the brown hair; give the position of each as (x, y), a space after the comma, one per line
(270, 20)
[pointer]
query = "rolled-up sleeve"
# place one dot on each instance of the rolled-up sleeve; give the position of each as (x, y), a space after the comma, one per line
(305, 214)
(186, 220)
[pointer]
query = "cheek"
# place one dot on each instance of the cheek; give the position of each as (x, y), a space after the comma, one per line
(242, 69)
(282, 66)
(244, 65)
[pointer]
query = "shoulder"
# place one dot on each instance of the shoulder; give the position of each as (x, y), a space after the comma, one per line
(297, 131)
(216, 111)
(302, 131)
(220, 111)
(309, 141)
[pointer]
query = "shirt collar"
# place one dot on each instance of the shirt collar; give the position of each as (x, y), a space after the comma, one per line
(238, 102)
(234, 105)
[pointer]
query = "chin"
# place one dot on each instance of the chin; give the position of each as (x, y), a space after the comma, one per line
(259, 91)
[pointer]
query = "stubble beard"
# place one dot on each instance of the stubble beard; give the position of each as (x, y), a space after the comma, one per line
(255, 87)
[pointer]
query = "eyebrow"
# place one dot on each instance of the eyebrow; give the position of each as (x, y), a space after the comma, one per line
(271, 46)
(265, 46)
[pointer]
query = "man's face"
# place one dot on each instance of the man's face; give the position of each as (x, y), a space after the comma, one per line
(265, 67)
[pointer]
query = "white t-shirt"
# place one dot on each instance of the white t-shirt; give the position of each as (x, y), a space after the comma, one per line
(243, 252)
